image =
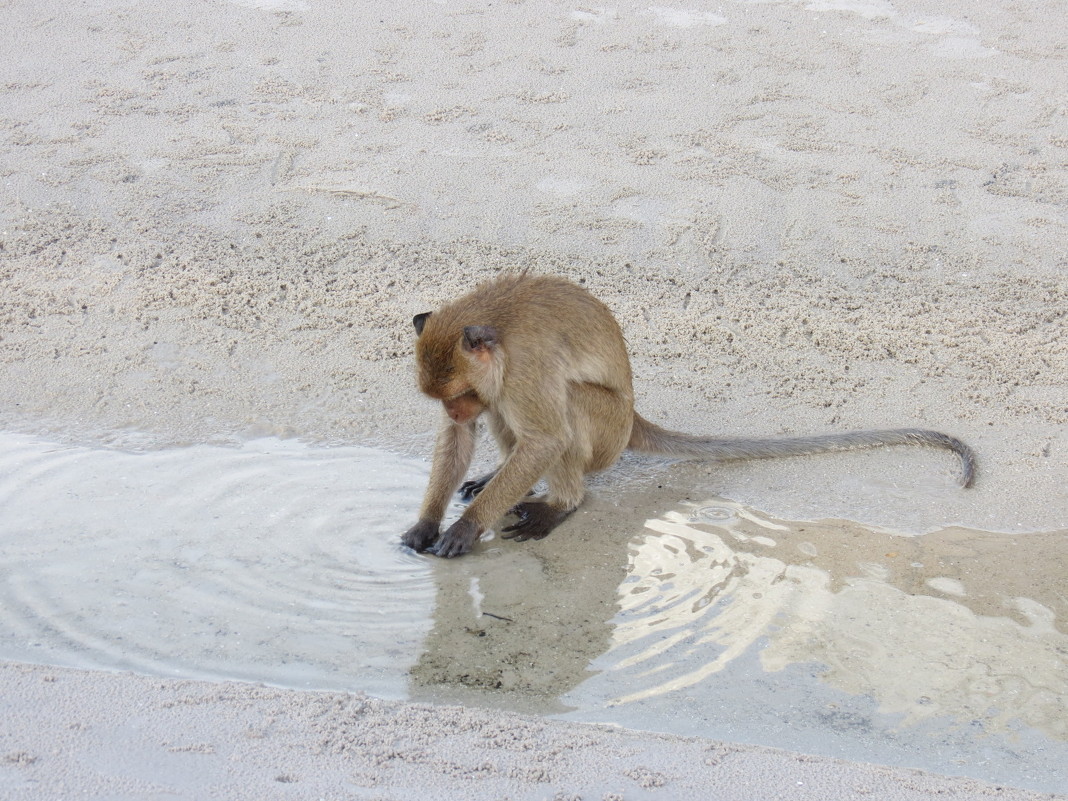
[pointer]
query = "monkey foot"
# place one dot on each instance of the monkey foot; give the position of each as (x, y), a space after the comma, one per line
(457, 540)
(536, 520)
(469, 489)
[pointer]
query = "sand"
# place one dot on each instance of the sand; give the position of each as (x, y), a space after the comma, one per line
(219, 218)
(130, 737)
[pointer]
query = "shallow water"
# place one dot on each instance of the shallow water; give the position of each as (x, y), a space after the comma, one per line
(272, 562)
(280, 562)
(828, 637)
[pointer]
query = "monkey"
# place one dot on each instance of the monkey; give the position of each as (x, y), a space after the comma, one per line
(545, 363)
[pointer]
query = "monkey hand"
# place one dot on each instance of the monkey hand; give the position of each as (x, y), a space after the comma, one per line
(420, 536)
(536, 520)
(457, 540)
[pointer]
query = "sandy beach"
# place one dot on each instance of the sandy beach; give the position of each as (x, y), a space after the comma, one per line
(216, 224)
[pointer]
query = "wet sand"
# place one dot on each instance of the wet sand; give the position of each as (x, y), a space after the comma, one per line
(219, 219)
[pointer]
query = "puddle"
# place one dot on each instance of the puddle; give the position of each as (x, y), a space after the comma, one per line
(280, 562)
(273, 562)
(947, 651)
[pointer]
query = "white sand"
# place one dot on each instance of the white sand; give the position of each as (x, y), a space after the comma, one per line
(219, 218)
(70, 734)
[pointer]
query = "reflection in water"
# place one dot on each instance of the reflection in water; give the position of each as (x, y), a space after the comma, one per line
(707, 585)
(271, 562)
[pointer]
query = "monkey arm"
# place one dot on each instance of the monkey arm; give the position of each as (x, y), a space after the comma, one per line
(452, 456)
(530, 460)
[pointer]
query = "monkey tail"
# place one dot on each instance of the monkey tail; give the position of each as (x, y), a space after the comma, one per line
(646, 436)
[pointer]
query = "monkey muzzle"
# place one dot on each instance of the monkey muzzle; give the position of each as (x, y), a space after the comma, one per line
(464, 407)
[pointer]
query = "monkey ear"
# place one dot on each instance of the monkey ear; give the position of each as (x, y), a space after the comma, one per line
(419, 321)
(480, 338)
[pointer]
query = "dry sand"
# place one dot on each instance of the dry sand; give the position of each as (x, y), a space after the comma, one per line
(219, 218)
(130, 737)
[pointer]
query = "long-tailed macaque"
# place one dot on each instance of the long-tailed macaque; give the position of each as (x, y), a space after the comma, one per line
(546, 363)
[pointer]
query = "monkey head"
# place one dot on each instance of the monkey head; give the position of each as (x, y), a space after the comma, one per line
(457, 367)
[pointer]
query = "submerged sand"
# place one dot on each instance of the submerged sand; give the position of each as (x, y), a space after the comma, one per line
(219, 219)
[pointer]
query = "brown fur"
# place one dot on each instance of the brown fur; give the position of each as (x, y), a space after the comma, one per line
(546, 363)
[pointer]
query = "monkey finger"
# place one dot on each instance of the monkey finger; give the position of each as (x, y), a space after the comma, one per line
(527, 533)
(450, 549)
(468, 490)
(535, 520)
(508, 532)
(458, 539)
(445, 549)
(521, 523)
(524, 536)
(421, 535)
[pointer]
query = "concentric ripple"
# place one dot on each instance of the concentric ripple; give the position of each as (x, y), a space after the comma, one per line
(274, 561)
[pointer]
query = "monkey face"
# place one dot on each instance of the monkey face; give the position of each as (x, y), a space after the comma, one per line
(457, 364)
(453, 361)
(449, 383)
(441, 371)
(435, 359)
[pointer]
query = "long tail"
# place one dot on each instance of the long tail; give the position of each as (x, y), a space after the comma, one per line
(646, 436)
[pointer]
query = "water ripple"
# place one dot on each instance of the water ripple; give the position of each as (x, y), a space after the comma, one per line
(274, 561)
(712, 586)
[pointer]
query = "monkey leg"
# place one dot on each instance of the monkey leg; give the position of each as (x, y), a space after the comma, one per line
(605, 417)
(597, 421)
(600, 422)
(501, 432)
(536, 519)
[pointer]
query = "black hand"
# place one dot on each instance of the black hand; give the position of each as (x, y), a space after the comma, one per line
(457, 540)
(420, 536)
